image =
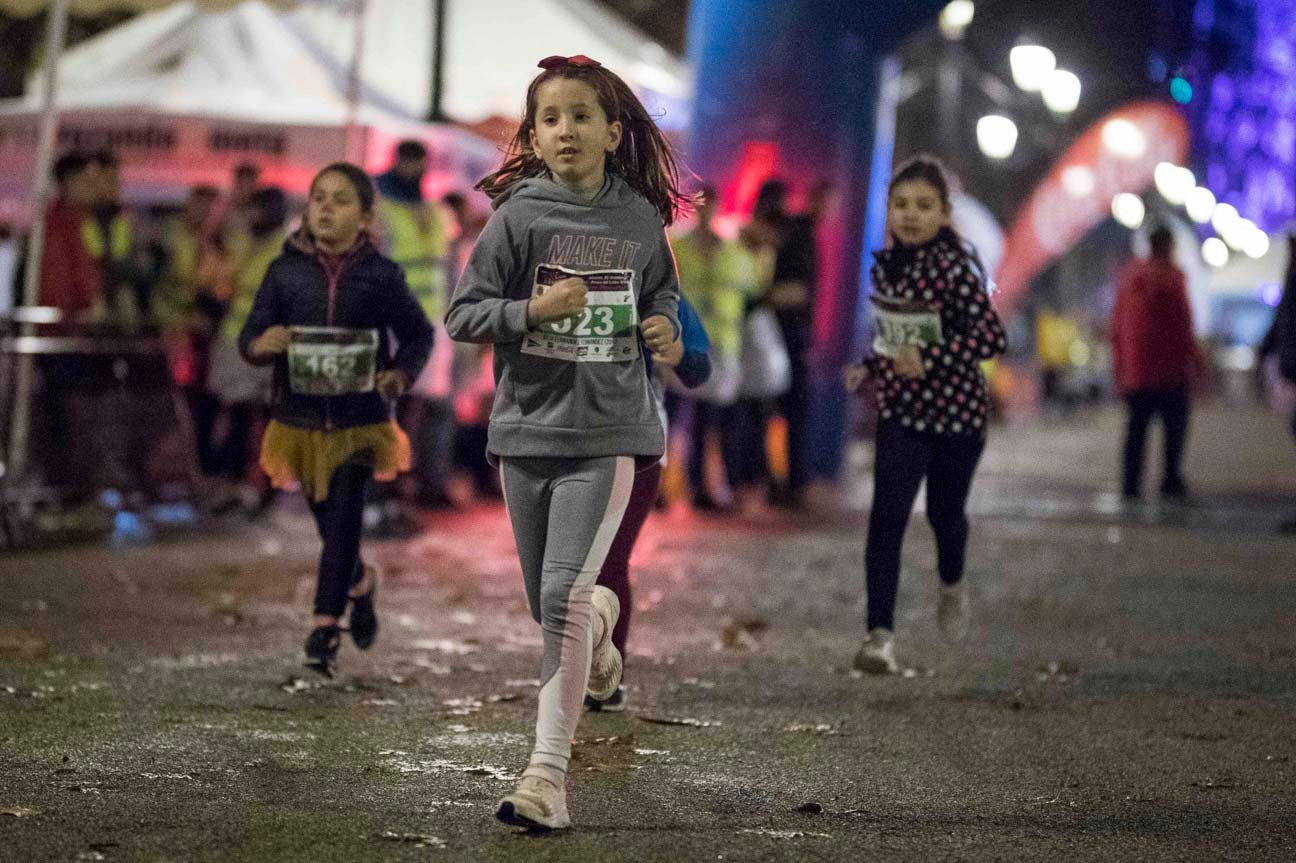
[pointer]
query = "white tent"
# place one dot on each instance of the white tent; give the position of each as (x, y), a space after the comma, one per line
(253, 62)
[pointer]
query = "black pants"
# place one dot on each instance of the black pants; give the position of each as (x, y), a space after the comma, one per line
(902, 460)
(340, 518)
(1172, 406)
(749, 466)
(722, 419)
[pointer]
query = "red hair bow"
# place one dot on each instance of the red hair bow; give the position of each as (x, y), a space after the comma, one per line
(574, 60)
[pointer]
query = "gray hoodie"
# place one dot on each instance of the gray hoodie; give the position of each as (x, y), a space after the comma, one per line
(568, 407)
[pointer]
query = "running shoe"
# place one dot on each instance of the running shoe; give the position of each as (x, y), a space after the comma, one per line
(605, 664)
(877, 653)
(537, 803)
(614, 703)
(952, 611)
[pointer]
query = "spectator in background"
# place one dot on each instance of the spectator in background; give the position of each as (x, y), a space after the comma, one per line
(1277, 352)
(244, 390)
(792, 298)
(69, 274)
(415, 232)
(187, 308)
(109, 236)
(718, 277)
(1155, 361)
(244, 183)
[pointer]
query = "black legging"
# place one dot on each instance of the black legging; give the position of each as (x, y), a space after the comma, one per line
(903, 458)
(1172, 406)
(340, 518)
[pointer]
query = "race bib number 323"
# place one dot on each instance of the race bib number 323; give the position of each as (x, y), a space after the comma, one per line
(604, 331)
(331, 361)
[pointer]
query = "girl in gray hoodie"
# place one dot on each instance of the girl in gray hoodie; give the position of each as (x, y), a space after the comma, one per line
(572, 280)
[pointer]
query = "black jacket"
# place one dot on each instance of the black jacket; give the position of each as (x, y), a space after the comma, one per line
(368, 291)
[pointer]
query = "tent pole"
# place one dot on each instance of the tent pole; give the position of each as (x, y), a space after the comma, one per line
(355, 84)
(438, 62)
(20, 420)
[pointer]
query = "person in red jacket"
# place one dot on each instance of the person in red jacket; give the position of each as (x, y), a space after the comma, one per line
(1155, 359)
(69, 276)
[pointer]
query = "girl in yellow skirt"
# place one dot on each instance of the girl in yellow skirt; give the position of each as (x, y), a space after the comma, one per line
(323, 317)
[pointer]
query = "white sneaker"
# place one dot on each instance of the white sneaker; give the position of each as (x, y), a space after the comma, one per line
(536, 803)
(952, 611)
(877, 653)
(606, 663)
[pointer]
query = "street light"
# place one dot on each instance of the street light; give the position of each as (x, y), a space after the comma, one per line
(1062, 91)
(996, 136)
(1237, 234)
(1224, 218)
(1174, 183)
(1257, 245)
(1078, 180)
(1031, 66)
(1124, 138)
(1215, 252)
(1128, 209)
(955, 18)
(1200, 204)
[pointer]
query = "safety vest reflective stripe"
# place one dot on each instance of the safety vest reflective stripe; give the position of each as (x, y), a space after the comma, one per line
(119, 240)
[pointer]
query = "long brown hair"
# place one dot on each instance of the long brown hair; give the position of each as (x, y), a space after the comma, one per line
(644, 157)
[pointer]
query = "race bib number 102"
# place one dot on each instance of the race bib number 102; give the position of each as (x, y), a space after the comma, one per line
(899, 324)
(605, 331)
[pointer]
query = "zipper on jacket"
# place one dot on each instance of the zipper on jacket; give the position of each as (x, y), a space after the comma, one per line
(332, 278)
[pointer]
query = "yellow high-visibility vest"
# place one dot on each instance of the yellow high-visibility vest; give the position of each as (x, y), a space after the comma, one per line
(119, 238)
(718, 287)
(417, 239)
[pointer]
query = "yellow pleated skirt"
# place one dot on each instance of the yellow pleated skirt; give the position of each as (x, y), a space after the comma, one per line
(293, 456)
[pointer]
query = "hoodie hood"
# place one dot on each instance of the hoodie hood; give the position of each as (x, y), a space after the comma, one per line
(615, 194)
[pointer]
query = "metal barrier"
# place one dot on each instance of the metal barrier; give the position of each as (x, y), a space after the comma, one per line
(126, 379)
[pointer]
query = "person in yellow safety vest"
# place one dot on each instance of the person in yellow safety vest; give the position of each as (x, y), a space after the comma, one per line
(109, 237)
(1054, 335)
(186, 307)
(244, 390)
(413, 231)
(718, 276)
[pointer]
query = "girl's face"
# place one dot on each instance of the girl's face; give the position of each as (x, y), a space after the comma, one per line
(334, 213)
(916, 212)
(571, 132)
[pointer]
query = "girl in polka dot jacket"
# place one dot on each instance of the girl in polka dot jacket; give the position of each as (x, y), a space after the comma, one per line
(934, 325)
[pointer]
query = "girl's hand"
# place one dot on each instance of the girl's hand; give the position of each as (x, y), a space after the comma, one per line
(854, 376)
(659, 335)
(273, 341)
(391, 384)
(671, 355)
(908, 362)
(563, 298)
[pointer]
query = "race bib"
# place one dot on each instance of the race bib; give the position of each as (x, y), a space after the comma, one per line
(331, 361)
(605, 331)
(899, 324)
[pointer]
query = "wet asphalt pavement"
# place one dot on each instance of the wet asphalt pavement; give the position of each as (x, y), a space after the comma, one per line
(1128, 689)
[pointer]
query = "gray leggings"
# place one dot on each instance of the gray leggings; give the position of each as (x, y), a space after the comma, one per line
(565, 514)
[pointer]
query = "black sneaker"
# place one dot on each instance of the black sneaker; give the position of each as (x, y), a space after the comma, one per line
(615, 703)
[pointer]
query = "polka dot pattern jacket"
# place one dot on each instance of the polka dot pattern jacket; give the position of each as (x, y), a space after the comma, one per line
(951, 398)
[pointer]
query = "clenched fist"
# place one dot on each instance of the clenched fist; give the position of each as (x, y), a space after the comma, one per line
(559, 300)
(273, 341)
(854, 376)
(391, 384)
(659, 333)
